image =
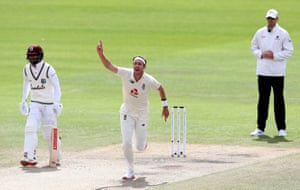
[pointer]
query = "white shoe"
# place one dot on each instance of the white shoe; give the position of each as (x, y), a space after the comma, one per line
(282, 133)
(129, 176)
(257, 132)
(28, 162)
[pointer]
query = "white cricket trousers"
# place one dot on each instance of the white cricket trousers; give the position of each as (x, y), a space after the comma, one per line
(133, 127)
(39, 115)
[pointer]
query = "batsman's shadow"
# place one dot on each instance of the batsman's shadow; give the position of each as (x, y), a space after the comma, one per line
(272, 140)
(36, 169)
(140, 182)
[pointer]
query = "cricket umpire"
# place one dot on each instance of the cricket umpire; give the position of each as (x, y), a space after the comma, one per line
(272, 46)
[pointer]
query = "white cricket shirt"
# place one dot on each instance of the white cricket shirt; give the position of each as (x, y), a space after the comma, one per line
(136, 93)
(279, 42)
(42, 83)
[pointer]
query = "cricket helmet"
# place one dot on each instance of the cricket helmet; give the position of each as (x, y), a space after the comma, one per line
(34, 54)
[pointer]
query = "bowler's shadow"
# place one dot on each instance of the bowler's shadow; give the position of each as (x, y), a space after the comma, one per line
(140, 182)
(272, 140)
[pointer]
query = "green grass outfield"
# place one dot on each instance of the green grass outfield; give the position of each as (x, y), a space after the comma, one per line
(198, 49)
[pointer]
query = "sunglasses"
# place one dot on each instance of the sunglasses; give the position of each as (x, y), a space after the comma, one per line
(270, 18)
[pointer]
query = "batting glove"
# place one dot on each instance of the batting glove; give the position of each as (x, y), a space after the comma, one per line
(57, 108)
(23, 106)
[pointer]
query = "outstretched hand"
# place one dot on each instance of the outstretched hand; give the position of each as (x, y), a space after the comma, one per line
(165, 113)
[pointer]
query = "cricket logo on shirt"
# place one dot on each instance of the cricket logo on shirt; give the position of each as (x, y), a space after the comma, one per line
(39, 86)
(134, 92)
(43, 81)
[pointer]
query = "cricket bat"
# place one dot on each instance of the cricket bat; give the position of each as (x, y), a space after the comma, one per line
(54, 148)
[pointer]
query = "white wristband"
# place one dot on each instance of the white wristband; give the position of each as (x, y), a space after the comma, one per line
(164, 103)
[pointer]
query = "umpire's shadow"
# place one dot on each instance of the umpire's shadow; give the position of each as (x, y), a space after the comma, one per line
(272, 140)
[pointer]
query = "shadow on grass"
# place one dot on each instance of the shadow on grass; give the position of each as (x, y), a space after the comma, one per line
(138, 183)
(272, 140)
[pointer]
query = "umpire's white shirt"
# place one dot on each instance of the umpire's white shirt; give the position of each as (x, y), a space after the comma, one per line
(136, 93)
(279, 42)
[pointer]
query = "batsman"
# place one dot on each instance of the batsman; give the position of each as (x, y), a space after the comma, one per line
(42, 109)
(134, 112)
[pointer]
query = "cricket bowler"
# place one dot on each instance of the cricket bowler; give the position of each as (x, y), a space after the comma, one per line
(134, 111)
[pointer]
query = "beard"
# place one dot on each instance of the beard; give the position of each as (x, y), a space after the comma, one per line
(34, 60)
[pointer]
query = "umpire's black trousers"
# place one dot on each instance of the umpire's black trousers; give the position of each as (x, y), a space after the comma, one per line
(265, 84)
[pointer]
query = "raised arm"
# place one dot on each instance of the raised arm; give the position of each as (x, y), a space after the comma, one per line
(106, 62)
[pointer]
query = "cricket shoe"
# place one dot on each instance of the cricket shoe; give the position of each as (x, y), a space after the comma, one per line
(28, 162)
(129, 176)
(58, 163)
(282, 133)
(257, 132)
